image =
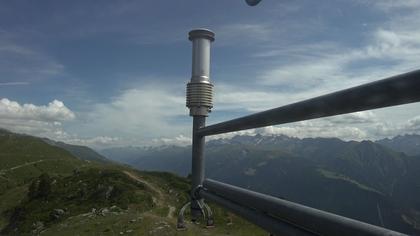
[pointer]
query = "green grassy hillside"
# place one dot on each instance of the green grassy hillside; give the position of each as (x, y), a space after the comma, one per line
(45, 190)
(81, 152)
(23, 158)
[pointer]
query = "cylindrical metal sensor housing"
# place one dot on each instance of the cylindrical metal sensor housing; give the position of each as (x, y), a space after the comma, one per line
(199, 89)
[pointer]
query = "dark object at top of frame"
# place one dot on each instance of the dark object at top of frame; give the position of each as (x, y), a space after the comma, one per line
(253, 2)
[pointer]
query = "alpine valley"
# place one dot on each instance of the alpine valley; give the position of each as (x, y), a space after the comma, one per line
(376, 182)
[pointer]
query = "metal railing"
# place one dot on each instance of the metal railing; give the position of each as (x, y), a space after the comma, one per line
(272, 214)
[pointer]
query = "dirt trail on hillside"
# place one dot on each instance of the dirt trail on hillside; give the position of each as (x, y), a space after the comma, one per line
(23, 165)
(171, 211)
(149, 185)
(160, 201)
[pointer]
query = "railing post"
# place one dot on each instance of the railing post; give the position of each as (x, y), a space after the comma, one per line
(200, 102)
(197, 170)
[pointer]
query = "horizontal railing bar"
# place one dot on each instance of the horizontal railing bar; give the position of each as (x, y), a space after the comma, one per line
(311, 219)
(396, 90)
(264, 221)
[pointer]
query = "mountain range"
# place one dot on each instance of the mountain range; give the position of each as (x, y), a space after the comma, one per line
(376, 182)
(54, 188)
(408, 144)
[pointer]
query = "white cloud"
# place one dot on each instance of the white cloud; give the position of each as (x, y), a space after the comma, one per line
(249, 132)
(54, 111)
(44, 120)
(230, 98)
(389, 5)
(179, 140)
(413, 125)
(99, 141)
(139, 115)
(389, 52)
(304, 129)
(392, 47)
(357, 126)
(14, 83)
(307, 129)
(323, 67)
(150, 114)
(361, 117)
(347, 127)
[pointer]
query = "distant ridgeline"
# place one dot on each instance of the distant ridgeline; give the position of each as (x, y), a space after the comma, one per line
(53, 188)
(376, 182)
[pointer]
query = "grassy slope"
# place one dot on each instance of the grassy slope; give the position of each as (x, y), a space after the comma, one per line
(158, 220)
(23, 158)
(81, 152)
(147, 202)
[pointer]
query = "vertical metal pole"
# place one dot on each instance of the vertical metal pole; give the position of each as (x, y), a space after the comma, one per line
(198, 166)
(199, 101)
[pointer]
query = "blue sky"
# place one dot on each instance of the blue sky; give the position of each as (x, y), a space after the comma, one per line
(109, 73)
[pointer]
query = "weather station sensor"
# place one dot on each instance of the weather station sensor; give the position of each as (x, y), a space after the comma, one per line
(200, 101)
(199, 89)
